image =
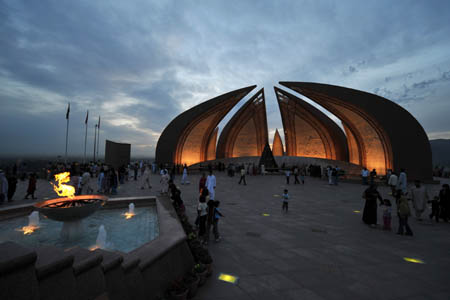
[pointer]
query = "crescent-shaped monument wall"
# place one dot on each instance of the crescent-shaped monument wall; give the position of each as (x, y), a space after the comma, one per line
(246, 133)
(277, 146)
(185, 140)
(308, 132)
(380, 133)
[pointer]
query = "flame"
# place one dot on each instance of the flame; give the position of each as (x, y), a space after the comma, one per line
(27, 230)
(128, 215)
(62, 189)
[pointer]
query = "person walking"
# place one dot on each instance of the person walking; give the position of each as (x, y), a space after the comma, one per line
(287, 172)
(211, 185)
(202, 213)
(393, 180)
(373, 175)
(370, 208)
(435, 208)
(242, 176)
(419, 197)
(202, 183)
(209, 220)
(217, 216)
(12, 185)
(365, 176)
(31, 186)
(403, 213)
(145, 179)
(3, 187)
(285, 198)
(444, 197)
(387, 214)
(296, 175)
(302, 175)
(185, 174)
(402, 182)
(164, 182)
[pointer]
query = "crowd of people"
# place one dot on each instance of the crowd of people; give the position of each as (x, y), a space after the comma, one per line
(86, 178)
(418, 195)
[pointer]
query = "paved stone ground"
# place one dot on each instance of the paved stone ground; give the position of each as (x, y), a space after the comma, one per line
(320, 249)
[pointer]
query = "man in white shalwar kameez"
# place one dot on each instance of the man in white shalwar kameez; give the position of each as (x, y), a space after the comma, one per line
(145, 179)
(184, 178)
(402, 182)
(211, 185)
(165, 182)
(419, 197)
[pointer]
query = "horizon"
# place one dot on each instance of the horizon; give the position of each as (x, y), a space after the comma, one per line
(139, 65)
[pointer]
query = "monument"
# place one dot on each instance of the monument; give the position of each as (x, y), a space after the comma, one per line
(376, 133)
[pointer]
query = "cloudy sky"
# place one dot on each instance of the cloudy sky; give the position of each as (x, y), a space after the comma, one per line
(139, 64)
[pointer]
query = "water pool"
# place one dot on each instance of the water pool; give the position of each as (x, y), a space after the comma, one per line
(122, 234)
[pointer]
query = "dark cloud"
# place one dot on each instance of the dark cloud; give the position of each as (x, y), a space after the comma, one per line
(139, 64)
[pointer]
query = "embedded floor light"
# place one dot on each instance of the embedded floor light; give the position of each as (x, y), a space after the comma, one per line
(228, 278)
(266, 215)
(413, 260)
(357, 211)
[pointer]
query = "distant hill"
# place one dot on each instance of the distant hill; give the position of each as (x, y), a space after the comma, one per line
(441, 152)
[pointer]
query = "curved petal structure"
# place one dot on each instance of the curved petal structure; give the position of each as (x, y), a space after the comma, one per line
(381, 134)
(277, 147)
(308, 132)
(185, 140)
(211, 150)
(246, 133)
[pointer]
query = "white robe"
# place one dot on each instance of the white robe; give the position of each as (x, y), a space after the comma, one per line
(184, 178)
(419, 196)
(211, 185)
(402, 182)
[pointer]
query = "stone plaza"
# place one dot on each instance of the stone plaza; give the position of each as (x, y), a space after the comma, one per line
(320, 249)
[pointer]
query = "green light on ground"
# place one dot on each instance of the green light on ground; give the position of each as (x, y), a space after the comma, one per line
(266, 215)
(357, 211)
(413, 260)
(276, 195)
(228, 278)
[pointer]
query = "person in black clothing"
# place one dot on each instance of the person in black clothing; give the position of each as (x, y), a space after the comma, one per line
(370, 208)
(373, 174)
(444, 197)
(435, 208)
(12, 184)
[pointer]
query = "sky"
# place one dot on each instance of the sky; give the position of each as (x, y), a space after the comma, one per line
(139, 64)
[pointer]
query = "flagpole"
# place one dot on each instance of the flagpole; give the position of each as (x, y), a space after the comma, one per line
(98, 138)
(95, 141)
(85, 136)
(67, 131)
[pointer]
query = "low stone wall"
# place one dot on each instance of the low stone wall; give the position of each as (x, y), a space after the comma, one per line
(52, 273)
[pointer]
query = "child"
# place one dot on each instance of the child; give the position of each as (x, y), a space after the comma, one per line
(387, 210)
(202, 212)
(435, 208)
(217, 216)
(285, 200)
(403, 212)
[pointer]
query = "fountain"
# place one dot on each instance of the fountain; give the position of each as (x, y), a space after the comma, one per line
(101, 238)
(71, 209)
(130, 213)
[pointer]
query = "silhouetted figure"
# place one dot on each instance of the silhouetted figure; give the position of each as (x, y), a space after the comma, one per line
(31, 186)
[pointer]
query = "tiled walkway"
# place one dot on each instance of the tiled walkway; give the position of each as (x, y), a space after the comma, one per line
(319, 250)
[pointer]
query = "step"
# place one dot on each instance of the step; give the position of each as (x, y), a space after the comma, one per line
(88, 272)
(55, 274)
(17, 273)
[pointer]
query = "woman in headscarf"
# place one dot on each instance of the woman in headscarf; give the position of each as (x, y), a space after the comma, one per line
(370, 208)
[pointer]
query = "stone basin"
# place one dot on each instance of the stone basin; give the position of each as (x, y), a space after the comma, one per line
(71, 209)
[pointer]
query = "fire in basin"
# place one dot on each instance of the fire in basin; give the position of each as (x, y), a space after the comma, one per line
(70, 209)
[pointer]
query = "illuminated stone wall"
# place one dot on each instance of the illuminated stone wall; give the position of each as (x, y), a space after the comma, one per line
(211, 150)
(277, 147)
(246, 132)
(309, 132)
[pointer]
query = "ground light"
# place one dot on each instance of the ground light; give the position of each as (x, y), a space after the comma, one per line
(413, 260)
(276, 195)
(266, 215)
(357, 211)
(228, 278)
